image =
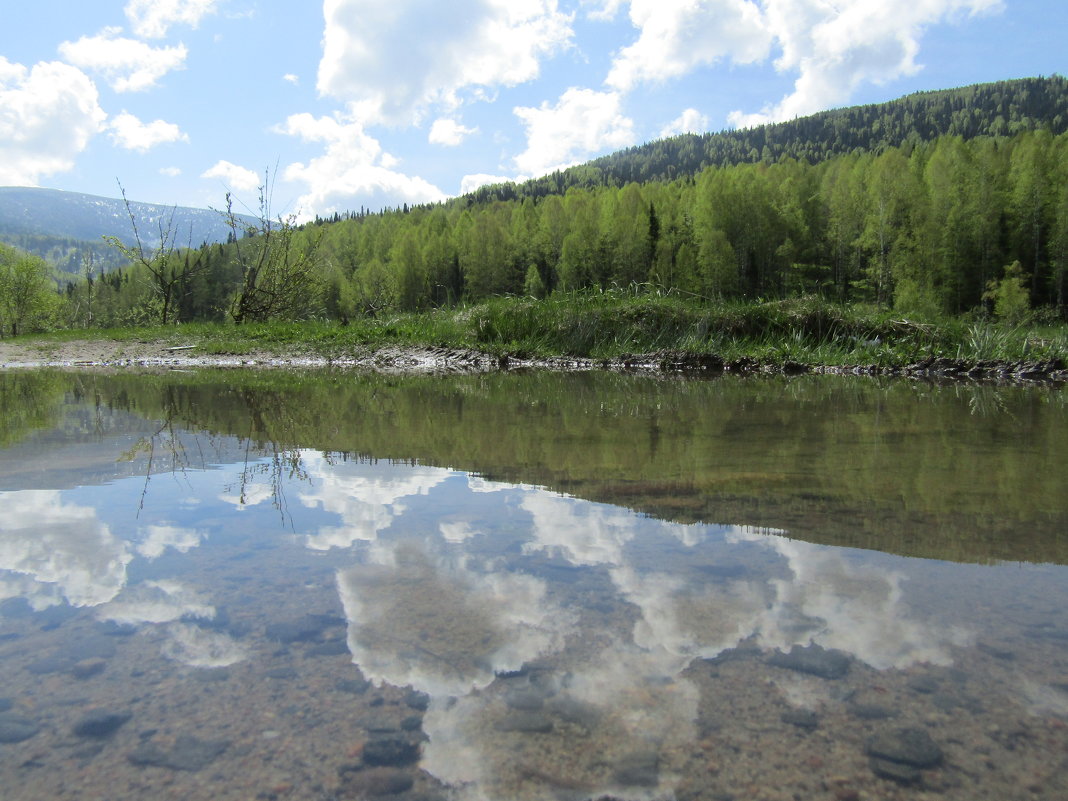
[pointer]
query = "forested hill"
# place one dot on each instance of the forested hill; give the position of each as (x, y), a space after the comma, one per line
(1003, 108)
(61, 226)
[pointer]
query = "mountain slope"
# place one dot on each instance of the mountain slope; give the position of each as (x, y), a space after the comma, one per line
(59, 226)
(1003, 108)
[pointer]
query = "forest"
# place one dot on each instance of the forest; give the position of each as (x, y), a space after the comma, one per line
(974, 222)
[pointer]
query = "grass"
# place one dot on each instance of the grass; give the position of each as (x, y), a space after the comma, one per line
(610, 324)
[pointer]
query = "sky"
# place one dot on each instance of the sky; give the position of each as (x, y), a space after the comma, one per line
(346, 104)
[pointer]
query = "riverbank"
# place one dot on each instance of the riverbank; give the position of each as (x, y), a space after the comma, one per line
(105, 353)
(611, 330)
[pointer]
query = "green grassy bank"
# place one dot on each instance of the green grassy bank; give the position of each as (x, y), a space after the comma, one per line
(609, 325)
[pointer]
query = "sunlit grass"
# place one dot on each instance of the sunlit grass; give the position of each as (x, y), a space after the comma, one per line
(610, 324)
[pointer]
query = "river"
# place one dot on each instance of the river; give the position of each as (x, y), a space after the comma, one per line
(327, 585)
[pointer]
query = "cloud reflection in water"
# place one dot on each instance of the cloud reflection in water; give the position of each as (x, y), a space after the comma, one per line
(366, 496)
(66, 551)
(431, 622)
(433, 607)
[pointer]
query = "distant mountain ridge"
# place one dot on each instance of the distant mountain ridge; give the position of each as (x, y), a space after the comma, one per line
(60, 226)
(1001, 108)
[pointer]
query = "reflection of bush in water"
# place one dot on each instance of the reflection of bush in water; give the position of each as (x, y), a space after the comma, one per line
(415, 612)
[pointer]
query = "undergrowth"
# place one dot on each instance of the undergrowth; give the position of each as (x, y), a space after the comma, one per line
(607, 324)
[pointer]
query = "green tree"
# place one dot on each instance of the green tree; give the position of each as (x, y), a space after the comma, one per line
(162, 266)
(374, 288)
(533, 286)
(1030, 202)
(1010, 295)
(406, 263)
(279, 276)
(28, 296)
(845, 203)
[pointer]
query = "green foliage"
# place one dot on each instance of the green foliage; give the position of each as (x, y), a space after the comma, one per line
(837, 450)
(533, 285)
(1009, 294)
(1000, 109)
(913, 206)
(28, 300)
(165, 269)
(278, 269)
(915, 298)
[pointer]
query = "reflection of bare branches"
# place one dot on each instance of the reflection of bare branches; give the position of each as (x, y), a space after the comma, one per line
(165, 434)
(283, 464)
(267, 444)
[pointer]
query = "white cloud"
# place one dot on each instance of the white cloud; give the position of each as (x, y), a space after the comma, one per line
(152, 18)
(457, 531)
(468, 624)
(161, 601)
(127, 64)
(48, 114)
(835, 48)
(159, 538)
(170, 172)
(289, 77)
(367, 498)
(690, 121)
(235, 177)
(583, 123)
(392, 61)
(196, 647)
(353, 170)
(252, 493)
(61, 545)
(603, 10)
(582, 533)
(129, 132)
(470, 183)
(448, 132)
(857, 608)
(680, 35)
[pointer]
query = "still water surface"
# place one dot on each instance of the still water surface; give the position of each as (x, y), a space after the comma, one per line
(325, 586)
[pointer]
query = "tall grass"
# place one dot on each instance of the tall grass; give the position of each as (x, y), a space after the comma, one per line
(606, 324)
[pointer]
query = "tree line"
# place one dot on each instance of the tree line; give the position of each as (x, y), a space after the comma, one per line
(1000, 109)
(945, 226)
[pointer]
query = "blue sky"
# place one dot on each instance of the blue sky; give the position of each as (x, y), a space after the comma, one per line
(350, 103)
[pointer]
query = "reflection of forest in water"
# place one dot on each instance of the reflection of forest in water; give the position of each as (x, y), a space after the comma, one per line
(968, 472)
(403, 583)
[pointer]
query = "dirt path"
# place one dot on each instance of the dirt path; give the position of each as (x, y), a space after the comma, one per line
(87, 353)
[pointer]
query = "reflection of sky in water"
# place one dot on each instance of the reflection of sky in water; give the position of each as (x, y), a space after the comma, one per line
(446, 533)
(61, 549)
(449, 581)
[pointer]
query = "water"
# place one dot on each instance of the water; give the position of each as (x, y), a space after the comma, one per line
(321, 586)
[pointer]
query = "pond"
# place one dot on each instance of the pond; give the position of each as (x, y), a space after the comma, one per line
(329, 585)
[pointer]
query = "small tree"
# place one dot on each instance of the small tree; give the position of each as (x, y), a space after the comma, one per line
(374, 288)
(278, 278)
(90, 277)
(533, 286)
(167, 272)
(27, 293)
(1010, 295)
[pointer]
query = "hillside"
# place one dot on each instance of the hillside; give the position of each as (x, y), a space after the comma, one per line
(940, 203)
(59, 226)
(1001, 109)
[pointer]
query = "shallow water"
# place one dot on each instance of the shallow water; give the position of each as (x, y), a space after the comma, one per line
(323, 586)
